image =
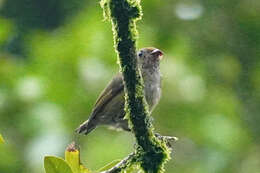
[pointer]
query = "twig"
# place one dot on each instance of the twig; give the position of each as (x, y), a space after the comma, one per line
(132, 158)
(127, 161)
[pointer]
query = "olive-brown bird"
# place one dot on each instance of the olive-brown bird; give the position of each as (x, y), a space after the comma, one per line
(109, 107)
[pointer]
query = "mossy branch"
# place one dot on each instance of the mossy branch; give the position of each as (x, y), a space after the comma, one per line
(151, 152)
(132, 158)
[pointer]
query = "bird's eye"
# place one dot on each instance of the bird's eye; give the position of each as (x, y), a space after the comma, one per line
(140, 54)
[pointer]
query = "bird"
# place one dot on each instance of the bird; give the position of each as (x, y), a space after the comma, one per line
(109, 107)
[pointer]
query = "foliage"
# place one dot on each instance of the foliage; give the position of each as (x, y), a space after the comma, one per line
(56, 165)
(71, 164)
(1, 139)
(72, 157)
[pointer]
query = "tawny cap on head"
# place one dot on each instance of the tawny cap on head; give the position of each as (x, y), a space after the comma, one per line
(155, 51)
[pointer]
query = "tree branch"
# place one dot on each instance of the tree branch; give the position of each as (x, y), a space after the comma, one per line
(132, 158)
(151, 152)
(126, 162)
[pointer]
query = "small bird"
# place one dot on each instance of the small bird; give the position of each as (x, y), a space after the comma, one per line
(109, 107)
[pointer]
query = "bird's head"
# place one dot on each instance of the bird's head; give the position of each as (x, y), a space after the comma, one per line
(149, 57)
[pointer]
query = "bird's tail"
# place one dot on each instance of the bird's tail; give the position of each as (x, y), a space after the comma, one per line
(85, 128)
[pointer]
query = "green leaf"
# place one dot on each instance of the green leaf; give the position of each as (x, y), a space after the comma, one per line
(72, 158)
(1, 139)
(83, 169)
(54, 164)
(110, 165)
(134, 169)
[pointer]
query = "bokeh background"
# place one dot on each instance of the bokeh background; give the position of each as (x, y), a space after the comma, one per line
(57, 55)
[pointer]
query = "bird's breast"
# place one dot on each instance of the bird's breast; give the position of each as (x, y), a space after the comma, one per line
(152, 89)
(152, 94)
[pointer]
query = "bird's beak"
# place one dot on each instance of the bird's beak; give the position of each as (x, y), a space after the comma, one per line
(157, 52)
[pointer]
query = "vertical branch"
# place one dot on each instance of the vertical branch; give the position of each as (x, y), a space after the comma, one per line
(151, 152)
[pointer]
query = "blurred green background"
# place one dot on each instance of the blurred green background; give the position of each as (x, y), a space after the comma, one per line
(57, 55)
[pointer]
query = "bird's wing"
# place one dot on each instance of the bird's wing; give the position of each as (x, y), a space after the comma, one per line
(114, 88)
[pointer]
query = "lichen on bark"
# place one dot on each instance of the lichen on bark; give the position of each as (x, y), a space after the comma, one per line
(151, 153)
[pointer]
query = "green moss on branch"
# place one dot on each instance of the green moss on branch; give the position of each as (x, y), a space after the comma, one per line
(123, 14)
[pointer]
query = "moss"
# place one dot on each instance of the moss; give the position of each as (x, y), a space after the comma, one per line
(123, 14)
